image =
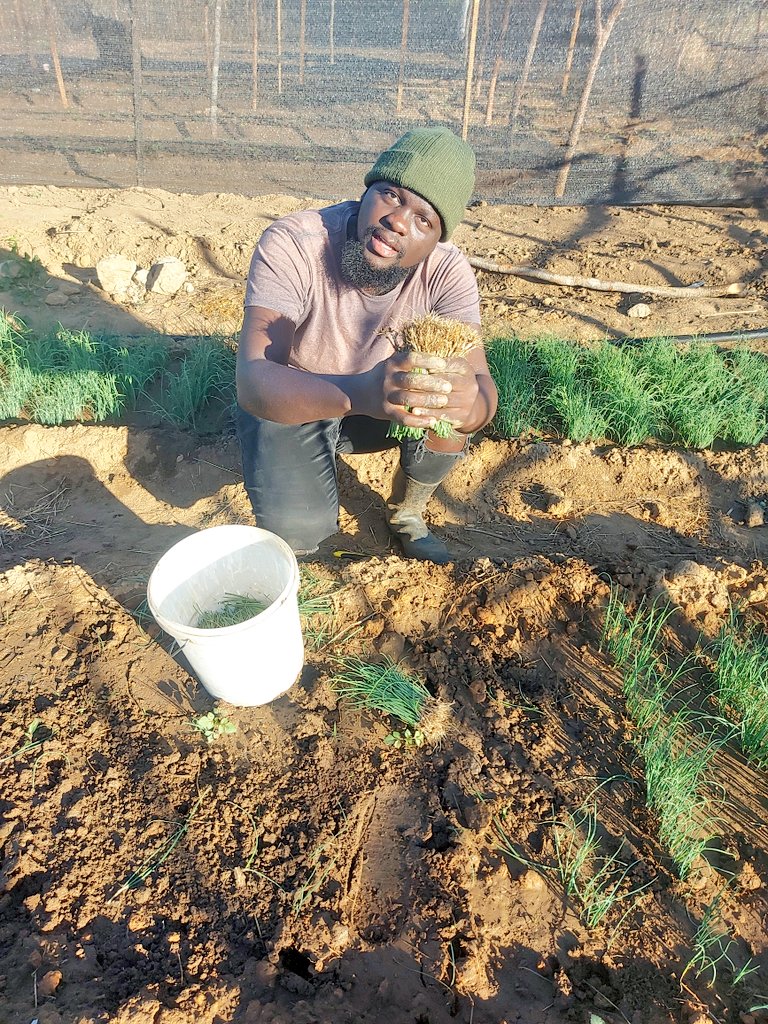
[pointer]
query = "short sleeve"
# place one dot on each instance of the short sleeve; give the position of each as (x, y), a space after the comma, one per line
(280, 276)
(453, 289)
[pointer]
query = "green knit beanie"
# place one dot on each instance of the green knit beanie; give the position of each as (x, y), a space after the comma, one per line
(437, 165)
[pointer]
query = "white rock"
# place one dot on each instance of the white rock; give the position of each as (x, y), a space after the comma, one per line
(140, 277)
(189, 287)
(639, 311)
(56, 299)
(114, 274)
(166, 276)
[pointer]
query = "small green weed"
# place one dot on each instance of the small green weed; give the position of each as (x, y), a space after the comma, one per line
(213, 725)
(406, 738)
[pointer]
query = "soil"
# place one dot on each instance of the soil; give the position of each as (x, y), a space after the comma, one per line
(303, 870)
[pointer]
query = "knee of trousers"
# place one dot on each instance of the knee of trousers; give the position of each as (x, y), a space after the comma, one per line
(301, 528)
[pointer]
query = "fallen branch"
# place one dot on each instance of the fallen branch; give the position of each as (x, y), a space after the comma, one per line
(693, 291)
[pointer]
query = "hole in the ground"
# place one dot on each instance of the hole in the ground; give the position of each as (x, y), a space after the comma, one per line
(296, 962)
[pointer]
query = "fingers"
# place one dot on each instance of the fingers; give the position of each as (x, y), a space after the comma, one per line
(421, 382)
(418, 361)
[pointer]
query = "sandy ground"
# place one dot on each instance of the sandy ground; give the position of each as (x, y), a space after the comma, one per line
(321, 875)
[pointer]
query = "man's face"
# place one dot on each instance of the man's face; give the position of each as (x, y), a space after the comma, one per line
(396, 227)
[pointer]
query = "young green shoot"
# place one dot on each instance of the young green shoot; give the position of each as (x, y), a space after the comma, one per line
(161, 855)
(213, 725)
(35, 736)
(712, 947)
(596, 881)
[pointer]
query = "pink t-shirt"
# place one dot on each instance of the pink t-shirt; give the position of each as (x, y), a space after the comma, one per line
(295, 271)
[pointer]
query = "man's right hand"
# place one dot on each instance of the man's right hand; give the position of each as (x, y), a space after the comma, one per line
(402, 388)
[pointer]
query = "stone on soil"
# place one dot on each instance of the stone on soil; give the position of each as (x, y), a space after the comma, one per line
(166, 276)
(114, 274)
(639, 311)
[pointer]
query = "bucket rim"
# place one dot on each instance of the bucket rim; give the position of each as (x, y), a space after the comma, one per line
(182, 630)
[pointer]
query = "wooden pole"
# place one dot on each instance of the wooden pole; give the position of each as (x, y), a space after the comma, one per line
(51, 19)
(603, 33)
(470, 67)
(215, 68)
(279, 29)
(331, 30)
(571, 47)
(138, 111)
(528, 62)
(302, 39)
(485, 45)
(403, 48)
(255, 57)
(24, 36)
(497, 63)
(207, 40)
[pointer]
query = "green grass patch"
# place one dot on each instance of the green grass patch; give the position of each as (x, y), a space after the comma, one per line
(677, 746)
(690, 395)
(72, 376)
(741, 678)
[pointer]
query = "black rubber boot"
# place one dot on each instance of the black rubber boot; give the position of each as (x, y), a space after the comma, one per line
(405, 510)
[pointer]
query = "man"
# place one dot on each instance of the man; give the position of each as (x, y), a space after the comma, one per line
(317, 373)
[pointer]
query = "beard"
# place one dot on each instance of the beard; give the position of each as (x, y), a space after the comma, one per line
(357, 271)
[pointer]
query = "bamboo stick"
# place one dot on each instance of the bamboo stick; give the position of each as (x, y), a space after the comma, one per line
(331, 30)
(302, 39)
(497, 63)
(51, 19)
(215, 69)
(571, 47)
(470, 67)
(403, 48)
(603, 33)
(595, 284)
(532, 44)
(255, 58)
(279, 29)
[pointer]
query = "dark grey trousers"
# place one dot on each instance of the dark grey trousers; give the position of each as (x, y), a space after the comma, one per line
(290, 471)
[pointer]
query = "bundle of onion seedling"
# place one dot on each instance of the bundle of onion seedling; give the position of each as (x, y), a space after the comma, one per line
(235, 608)
(385, 687)
(435, 336)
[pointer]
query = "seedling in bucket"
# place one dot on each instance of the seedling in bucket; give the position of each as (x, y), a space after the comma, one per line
(437, 336)
(385, 687)
(235, 608)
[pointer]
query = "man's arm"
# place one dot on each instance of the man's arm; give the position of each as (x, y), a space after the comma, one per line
(270, 389)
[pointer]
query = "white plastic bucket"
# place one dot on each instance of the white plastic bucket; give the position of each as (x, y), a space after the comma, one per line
(254, 661)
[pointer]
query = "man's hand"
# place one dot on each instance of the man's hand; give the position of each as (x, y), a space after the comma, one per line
(459, 408)
(407, 388)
